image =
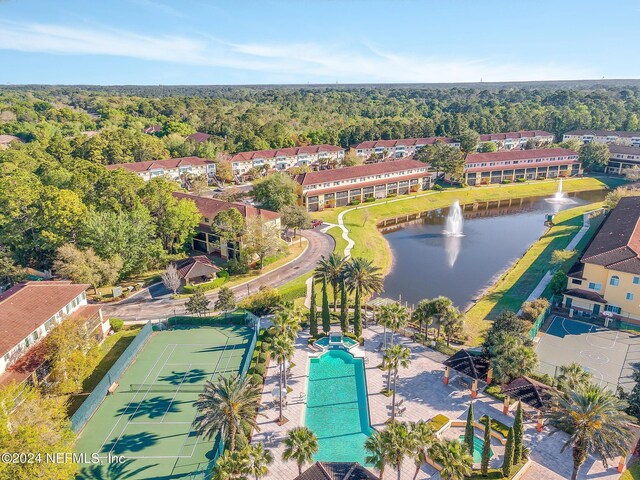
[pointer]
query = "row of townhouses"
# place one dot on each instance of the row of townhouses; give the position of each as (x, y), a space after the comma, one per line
(284, 158)
(177, 169)
(621, 158)
(342, 186)
(28, 312)
(630, 139)
(496, 167)
(516, 140)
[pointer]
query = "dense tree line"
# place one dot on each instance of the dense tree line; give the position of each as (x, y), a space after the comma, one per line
(257, 118)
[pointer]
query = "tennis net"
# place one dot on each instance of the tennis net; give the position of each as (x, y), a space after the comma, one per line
(161, 387)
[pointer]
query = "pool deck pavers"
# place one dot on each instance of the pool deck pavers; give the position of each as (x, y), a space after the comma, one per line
(424, 395)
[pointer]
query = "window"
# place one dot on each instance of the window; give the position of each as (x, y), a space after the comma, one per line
(629, 296)
(612, 309)
(576, 281)
(615, 281)
(595, 286)
(636, 280)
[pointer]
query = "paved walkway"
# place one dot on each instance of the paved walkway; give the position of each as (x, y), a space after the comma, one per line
(424, 394)
(573, 244)
(143, 307)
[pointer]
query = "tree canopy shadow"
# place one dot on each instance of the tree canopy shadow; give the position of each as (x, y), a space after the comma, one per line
(154, 407)
(130, 443)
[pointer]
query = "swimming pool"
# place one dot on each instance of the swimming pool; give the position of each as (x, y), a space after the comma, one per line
(337, 409)
(335, 340)
(477, 448)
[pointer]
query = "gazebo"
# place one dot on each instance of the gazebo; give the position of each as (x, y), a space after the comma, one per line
(197, 269)
(535, 394)
(469, 363)
(375, 303)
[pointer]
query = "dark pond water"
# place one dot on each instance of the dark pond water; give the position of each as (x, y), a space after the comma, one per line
(427, 263)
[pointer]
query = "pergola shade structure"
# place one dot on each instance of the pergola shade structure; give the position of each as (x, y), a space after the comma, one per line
(470, 364)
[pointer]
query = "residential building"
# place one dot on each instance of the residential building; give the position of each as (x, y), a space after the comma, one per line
(516, 140)
(284, 158)
(400, 148)
(206, 240)
(6, 140)
(606, 280)
(153, 129)
(511, 165)
(173, 168)
(30, 310)
(630, 139)
(199, 137)
(621, 158)
(341, 186)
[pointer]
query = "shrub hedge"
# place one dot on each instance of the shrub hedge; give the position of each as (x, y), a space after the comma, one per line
(496, 426)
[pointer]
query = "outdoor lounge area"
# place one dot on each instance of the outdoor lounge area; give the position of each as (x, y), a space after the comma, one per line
(424, 395)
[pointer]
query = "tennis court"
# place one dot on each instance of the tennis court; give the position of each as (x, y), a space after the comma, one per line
(608, 355)
(148, 419)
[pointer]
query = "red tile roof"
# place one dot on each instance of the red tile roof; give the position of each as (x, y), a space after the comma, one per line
(406, 142)
(7, 139)
(284, 152)
(153, 129)
(210, 207)
(26, 306)
(603, 133)
(199, 137)
(489, 137)
(197, 266)
(165, 164)
(313, 178)
(506, 155)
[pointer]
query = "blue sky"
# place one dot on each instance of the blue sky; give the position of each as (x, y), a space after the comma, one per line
(320, 41)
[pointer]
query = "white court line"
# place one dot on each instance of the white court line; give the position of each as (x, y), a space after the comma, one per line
(175, 393)
(143, 398)
(129, 404)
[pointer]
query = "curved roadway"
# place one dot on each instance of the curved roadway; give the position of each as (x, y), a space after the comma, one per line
(144, 306)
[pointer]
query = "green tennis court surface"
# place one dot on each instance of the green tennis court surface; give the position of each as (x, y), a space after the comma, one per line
(148, 419)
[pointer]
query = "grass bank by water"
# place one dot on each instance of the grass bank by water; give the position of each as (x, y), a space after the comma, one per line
(517, 283)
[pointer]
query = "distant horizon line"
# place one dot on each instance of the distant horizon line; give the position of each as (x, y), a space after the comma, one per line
(326, 85)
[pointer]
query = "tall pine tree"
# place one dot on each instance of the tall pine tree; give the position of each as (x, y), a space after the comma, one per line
(469, 430)
(486, 447)
(344, 308)
(326, 314)
(507, 462)
(518, 436)
(313, 314)
(357, 316)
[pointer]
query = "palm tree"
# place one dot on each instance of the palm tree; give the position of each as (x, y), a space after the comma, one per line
(362, 278)
(511, 358)
(423, 437)
(439, 307)
(572, 376)
(393, 358)
(282, 349)
(596, 423)
(453, 457)
(300, 445)
(399, 442)
(259, 460)
(452, 322)
(423, 314)
(232, 466)
(226, 405)
(287, 322)
(331, 268)
(394, 316)
(378, 448)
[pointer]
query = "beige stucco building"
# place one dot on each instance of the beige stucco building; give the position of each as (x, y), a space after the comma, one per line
(607, 277)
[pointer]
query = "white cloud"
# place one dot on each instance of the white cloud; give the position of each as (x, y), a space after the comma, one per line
(328, 61)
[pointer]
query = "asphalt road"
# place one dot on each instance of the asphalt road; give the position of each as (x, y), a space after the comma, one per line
(151, 306)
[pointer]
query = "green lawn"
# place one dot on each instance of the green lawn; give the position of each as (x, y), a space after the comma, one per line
(513, 288)
(110, 350)
(632, 473)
